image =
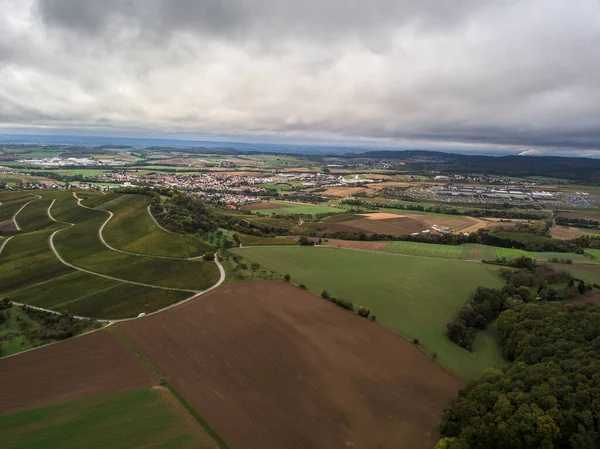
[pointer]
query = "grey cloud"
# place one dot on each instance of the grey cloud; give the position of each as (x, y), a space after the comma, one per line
(515, 72)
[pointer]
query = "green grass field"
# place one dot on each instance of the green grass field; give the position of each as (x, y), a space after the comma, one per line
(482, 252)
(147, 417)
(424, 249)
(414, 296)
(293, 208)
(132, 229)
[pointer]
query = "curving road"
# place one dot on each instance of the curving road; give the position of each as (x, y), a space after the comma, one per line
(4, 243)
(105, 243)
(14, 218)
(196, 293)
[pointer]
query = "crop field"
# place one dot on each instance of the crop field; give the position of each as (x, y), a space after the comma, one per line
(282, 207)
(34, 216)
(11, 203)
(415, 296)
(568, 232)
(79, 367)
(283, 368)
(389, 226)
(147, 417)
(588, 215)
(133, 229)
(342, 191)
(456, 222)
(92, 296)
(27, 259)
(356, 244)
(80, 245)
(425, 249)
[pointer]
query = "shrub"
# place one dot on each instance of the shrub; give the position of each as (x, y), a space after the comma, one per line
(209, 256)
(364, 311)
(325, 294)
(302, 286)
(286, 278)
(415, 341)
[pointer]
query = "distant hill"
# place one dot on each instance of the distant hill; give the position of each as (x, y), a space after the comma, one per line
(571, 168)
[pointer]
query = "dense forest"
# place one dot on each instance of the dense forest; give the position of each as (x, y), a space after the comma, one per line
(486, 304)
(548, 398)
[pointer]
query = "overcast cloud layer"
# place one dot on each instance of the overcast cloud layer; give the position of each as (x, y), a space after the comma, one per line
(507, 72)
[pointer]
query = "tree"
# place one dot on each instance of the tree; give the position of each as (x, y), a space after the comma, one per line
(581, 288)
(286, 278)
(208, 256)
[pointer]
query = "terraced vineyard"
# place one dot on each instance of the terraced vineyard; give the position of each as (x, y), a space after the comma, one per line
(58, 260)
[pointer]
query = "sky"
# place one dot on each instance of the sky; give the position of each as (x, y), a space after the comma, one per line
(492, 75)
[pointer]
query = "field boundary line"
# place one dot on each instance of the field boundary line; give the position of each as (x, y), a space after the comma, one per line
(4, 243)
(191, 410)
(105, 243)
(14, 218)
(364, 251)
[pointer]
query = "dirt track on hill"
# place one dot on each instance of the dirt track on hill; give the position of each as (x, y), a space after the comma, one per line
(269, 365)
(84, 366)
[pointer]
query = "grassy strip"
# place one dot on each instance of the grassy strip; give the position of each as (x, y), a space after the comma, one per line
(207, 428)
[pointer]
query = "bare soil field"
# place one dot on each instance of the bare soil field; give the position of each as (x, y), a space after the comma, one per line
(84, 366)
(269, 365)
(588, 215)
(331, 228)
(392, 226)
(458, 223)
(565, 232)
(342, 191)
(354, 244)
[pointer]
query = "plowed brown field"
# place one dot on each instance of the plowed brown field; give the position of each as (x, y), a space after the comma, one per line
(588, 215)
(84, 366)
(269, 365)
